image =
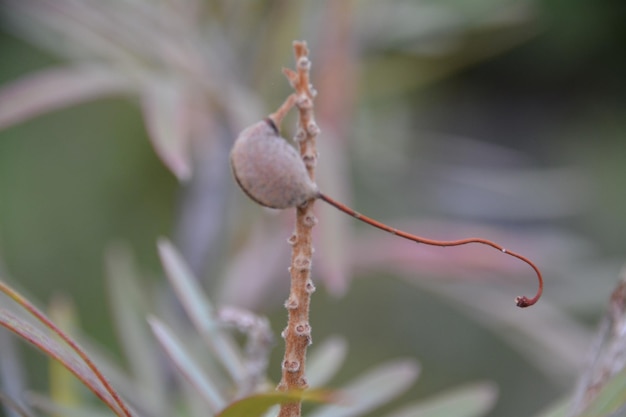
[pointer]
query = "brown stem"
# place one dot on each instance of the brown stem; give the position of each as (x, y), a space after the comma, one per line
(297, 335)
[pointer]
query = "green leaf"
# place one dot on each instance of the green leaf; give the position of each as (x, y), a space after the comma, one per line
(325, 360)
(471, 401)
(256, 405)
(200, 310)
(57, 352)
(191, 370)
(63, 386)
(373, 389)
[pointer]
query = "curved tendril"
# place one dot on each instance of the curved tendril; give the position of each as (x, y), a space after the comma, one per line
(521, 301)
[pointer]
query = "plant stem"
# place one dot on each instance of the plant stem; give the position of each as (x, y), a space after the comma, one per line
(297, 335)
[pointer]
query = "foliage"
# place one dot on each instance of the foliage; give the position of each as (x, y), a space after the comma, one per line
(494, 117)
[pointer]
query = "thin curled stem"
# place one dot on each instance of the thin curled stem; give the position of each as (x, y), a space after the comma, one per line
(521, 301)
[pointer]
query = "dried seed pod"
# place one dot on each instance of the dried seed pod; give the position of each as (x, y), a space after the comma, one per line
(269, 170)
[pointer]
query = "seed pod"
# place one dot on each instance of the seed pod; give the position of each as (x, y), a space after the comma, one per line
(269, 170)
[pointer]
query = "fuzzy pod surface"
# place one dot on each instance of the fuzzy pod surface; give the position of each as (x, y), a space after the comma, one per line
(269, 170)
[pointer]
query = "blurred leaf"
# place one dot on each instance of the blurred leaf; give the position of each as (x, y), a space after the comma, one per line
(12, 408)
(142, 397)
(112, 398)
(52, 89)
(185, 364)
(325, 360)
(51, 407)
(62, 384)
(257, 405)
(535, 336)
(373, 389)
(129, 307)
(471, 401)
(272, 411)
(602, 384)
(164, 105)
(558, 409)
(200, 310)
(11, 375)
(438, 25)
(611, 398)
(58, 353)
(263, 255)
(334, 228)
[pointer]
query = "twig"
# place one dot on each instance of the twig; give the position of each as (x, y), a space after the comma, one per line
(297, 335)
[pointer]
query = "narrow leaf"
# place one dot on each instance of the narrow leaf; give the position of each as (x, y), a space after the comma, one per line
(191, 370)
(56, 88)
(12, 407)
(200, 310)
(50, 347)
(325, 360)
(129, 305)
(53, 408)
(28, 306)
(471, 401)
(256, 405)
(141, 394)
(11, 374)
(373, 389)
(63, 386)
(164, 108)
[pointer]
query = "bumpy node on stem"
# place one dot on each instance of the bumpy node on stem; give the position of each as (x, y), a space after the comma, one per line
(291, 303)
(303, 329)
(310, 220)
(309, 287)
(291, 365)
(303, 263)
(300, 135)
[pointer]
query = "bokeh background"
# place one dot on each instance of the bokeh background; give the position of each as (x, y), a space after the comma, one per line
(498, 118)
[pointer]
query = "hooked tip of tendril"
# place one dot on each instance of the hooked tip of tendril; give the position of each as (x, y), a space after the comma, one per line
(524, 302)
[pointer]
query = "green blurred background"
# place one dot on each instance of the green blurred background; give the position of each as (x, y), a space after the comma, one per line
(500, 115)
